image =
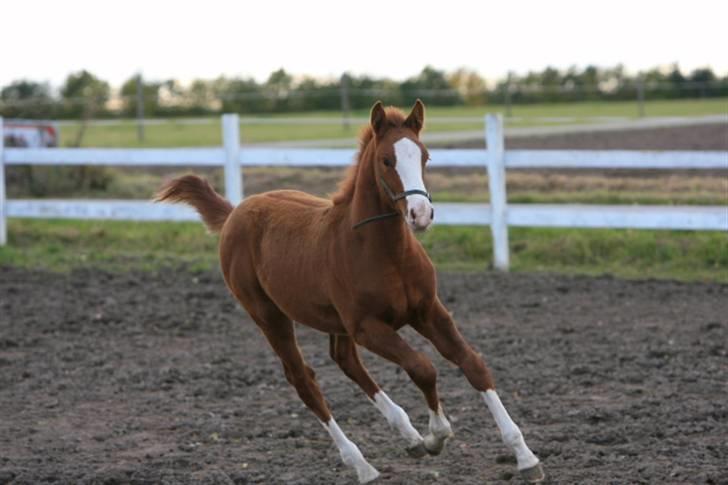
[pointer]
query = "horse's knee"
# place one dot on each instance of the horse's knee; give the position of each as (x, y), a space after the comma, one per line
(299, 375)
(475, 370)
(453, 354)
(459, 352)
(289, 375)
(421, 371)
(338, 355)
(342, 359)
(452, 346)
(310, 373)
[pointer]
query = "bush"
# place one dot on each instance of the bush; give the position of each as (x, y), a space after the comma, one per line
(39, 181)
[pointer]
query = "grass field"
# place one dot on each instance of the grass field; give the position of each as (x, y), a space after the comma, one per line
(179, 133)
(63, 245)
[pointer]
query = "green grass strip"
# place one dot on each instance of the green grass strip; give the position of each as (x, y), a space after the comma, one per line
(62, 245)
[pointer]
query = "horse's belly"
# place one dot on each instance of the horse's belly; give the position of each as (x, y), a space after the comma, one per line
(322, 317)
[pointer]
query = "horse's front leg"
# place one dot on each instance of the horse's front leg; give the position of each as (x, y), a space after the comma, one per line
(378, 337)
(438, 327)
(344, 352)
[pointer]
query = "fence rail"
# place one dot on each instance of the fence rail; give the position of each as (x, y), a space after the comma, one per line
(499, 214)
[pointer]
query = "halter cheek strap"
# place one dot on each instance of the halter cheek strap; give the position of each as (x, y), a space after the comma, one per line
(395, 198)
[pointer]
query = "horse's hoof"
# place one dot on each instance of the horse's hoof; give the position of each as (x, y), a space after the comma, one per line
(434, 445)
(418, 450)
(534, 474)
(367, 473)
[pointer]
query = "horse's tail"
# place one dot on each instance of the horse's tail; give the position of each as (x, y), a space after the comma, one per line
(198, 193)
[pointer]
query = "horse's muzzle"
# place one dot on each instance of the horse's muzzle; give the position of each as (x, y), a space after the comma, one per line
(420, 212)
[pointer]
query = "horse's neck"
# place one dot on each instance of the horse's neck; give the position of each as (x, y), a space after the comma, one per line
(365, 202)
(389, 234)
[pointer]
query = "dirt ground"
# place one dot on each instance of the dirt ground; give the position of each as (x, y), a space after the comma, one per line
(695, 137)
(161, 378)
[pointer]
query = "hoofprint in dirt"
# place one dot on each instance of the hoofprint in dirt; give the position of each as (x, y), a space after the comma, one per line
(161, 378)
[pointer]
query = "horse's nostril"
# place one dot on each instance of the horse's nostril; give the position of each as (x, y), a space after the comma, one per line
(412, 214)
(432, 213)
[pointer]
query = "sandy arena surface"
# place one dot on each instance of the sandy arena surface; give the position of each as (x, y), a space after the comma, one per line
(160, 378)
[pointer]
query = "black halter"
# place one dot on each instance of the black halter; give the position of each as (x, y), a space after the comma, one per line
(402, 195)
(395, 198)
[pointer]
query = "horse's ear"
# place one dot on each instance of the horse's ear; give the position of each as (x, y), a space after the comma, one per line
(416, 118)
(378, 118)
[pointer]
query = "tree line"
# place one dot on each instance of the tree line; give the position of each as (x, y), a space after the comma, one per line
(84, 95)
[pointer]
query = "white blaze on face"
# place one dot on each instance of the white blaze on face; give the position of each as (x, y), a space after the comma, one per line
(409, 169)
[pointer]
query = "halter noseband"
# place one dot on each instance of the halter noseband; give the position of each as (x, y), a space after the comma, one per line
(395, 198)
(402, 195)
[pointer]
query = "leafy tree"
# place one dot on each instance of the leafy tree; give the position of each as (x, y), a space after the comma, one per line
(200, 97)
(431, 84)
(470, 85)
(704, 75)
(310, 94)
(26, 99)
(278, 89)
(238, 95)
(677, 81)
(84, 94)
(703, 82)
(150, 93)
(364, 90)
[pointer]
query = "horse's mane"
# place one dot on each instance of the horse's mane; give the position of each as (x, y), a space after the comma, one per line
(395, 119)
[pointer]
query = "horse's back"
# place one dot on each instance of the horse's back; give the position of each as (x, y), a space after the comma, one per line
(284, 200)
(278, 215)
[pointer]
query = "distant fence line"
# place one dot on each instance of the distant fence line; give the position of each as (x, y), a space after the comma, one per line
(499, 214)
(328, 120)
(715, 88)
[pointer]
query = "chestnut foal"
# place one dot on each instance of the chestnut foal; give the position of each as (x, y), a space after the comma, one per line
(351, 267)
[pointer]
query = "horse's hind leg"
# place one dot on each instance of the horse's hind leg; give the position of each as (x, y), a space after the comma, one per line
(279, 331)
(344, 352)
(439, 328)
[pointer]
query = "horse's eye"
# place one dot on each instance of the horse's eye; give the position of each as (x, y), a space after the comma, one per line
(388, 162)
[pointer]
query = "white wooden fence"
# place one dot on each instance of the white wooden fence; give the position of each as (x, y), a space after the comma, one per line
(495, 159)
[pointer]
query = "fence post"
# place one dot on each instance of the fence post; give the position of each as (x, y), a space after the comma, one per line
(641, 96)
(140, 107)
(508, 95)
(345, 102)
(3, 207)
(233, 172)
(494, 139)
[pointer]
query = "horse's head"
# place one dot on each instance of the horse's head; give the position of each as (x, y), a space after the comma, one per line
(399, 165)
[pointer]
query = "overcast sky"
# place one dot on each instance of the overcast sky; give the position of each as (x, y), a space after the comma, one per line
(46, 39)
